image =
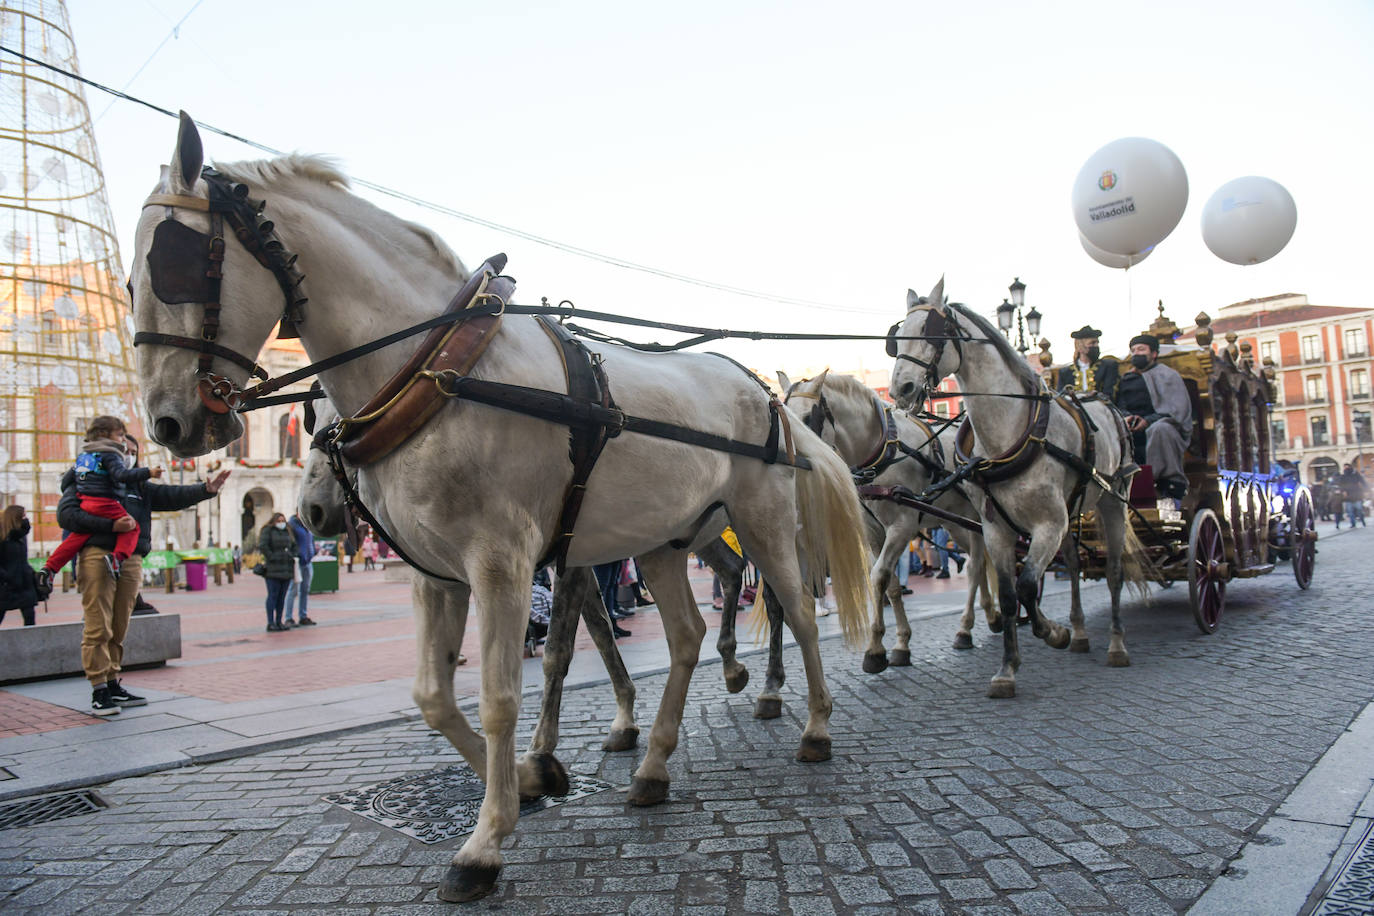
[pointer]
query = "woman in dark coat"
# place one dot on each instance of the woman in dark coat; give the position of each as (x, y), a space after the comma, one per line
(278, 547)
(18, 587)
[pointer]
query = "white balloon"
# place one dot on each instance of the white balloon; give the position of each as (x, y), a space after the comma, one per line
(1107, 259)
(1249, 220)
(1129, 195)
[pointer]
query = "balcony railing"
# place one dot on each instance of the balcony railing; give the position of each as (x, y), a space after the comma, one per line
(1309, 401)
(1359, 395)
(1356, 354)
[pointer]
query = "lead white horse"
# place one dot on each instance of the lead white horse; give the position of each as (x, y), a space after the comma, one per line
(476, 495)
(1025, 488)
(891, 448)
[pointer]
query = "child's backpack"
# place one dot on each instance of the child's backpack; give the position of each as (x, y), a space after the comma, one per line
(88, 463)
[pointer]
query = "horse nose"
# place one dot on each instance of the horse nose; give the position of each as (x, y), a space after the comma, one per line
(316, 515)
(907, 390)
(166, 430)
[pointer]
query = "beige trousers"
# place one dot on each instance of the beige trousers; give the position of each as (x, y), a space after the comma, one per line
(107, 607)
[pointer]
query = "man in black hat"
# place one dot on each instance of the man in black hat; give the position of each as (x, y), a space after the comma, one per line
(1090, 370)
(1158, 413)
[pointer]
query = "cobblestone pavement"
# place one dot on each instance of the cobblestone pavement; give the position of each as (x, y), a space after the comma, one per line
(1096, 790)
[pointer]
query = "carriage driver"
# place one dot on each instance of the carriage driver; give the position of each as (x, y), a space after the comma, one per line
(1158, 414)
(1089, 371)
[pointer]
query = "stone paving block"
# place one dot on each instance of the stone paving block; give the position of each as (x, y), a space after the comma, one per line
(1007, 875)
(1038, 903)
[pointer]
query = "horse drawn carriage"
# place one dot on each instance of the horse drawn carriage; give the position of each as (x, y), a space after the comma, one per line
(1240, 516)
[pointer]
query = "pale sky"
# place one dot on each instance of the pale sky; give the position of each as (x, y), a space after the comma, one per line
(832, 152)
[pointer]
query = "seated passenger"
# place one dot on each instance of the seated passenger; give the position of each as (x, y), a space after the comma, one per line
(1158, 414)
(1090, 370)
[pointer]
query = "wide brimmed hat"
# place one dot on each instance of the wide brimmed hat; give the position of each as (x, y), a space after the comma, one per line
(1087, 332)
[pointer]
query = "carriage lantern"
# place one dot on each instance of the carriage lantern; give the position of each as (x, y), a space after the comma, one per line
(1029, 323)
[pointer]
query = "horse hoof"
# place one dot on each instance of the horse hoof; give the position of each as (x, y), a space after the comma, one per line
(468, 882)
(735, 681)
(1058, 638)
(645, 792)
(995, 625)
(899, 658)
(1121, 659)
(768, 707)
(621, 739)
(875, 662)
(1078, 645)
(813, 750)
(1002, 688)
(963, 641)
(552, 778)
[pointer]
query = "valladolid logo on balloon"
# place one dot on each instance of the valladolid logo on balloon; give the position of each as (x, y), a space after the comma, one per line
(1129, 196)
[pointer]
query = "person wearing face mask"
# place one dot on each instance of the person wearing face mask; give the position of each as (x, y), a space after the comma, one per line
(278, 546)
(1090, 370)
(1158, 414)
(18, 581)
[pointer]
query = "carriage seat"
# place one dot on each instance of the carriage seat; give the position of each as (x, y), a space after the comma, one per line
(1197, 444)
(1143, 488)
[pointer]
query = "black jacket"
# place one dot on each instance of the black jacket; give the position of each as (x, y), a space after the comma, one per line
(141, 501)
(100, 471)
(278, 548)
(16, 575)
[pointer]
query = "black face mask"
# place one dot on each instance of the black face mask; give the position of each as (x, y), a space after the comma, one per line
(1140, 361)
(1093, 353)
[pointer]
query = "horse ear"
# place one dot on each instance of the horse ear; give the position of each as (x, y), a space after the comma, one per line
(912, 300)
(937, 295)
(784, 381)
(820, 379)
(187, 158)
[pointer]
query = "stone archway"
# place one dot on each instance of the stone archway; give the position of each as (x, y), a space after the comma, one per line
(258, 507)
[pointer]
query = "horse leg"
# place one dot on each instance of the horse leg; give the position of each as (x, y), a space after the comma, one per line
(1068, 549)
(730, 569)
(879, 577)
(1045, 540)
(502, 590)
(769, 702)
(441, 611)
(1000, 545)
(1114, 527)
(666, 571)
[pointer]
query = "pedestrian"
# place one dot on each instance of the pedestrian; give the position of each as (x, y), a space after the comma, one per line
(369, 552)
(18, 581)
(942, 545)
(1351, 487)
(298, 593)
(278, 547)
(349, 549)
(101, 477)
(238, 560)
(608, 581)
(106, 603)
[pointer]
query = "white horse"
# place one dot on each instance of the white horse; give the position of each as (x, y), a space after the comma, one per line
(887, 447)
(1043, 457)
(476, 495)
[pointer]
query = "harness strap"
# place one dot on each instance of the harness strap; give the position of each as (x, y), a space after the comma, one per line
(903, 496)
(586, 382)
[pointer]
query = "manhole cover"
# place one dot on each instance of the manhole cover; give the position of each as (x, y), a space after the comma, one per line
(30, 811)
(1352, 893)
(443, 804)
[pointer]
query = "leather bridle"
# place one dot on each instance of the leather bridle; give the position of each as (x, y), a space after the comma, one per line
(186, 266)
(941, 328)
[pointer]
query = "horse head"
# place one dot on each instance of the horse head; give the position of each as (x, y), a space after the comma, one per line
(186, 272)
(919, 345)
(321, 504)
(810, 392)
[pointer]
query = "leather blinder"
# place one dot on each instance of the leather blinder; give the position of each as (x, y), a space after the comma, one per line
(179, 264)
(892, 339)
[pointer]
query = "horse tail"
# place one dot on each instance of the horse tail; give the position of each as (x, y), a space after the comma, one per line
(831, 538)
(1137, 569)
(758, 628)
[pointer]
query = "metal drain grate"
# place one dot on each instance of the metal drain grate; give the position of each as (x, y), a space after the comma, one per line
(31, 811)
(1352, 892)
(442, 804)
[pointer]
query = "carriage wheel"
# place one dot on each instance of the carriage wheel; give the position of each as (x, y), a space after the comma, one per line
(1304, 543)
(1207, 570)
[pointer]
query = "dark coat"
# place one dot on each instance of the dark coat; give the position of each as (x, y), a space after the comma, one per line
(141, 501)
(1105, 373)
(17, 588)
(278, 552)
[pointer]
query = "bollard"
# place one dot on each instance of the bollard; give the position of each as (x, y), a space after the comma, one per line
(171, 574)
(66, 579)
(217, 567)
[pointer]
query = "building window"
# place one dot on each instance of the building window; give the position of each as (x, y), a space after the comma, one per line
(1323, 469)
(1278, 433)
(1355, 343)
(1359, 383)
(1267, 352)
(942, 408)
(239, 447)
(1311, 348)
(1316, 389)
(1319, 431)
(1359, 420)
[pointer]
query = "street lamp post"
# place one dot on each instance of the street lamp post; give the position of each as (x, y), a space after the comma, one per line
(1029, 323)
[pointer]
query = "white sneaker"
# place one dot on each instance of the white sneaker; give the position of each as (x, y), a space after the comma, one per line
(822, 610)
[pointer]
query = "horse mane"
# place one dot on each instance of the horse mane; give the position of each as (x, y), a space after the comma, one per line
(1015, 361)
(849, 385)
(323, 171)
